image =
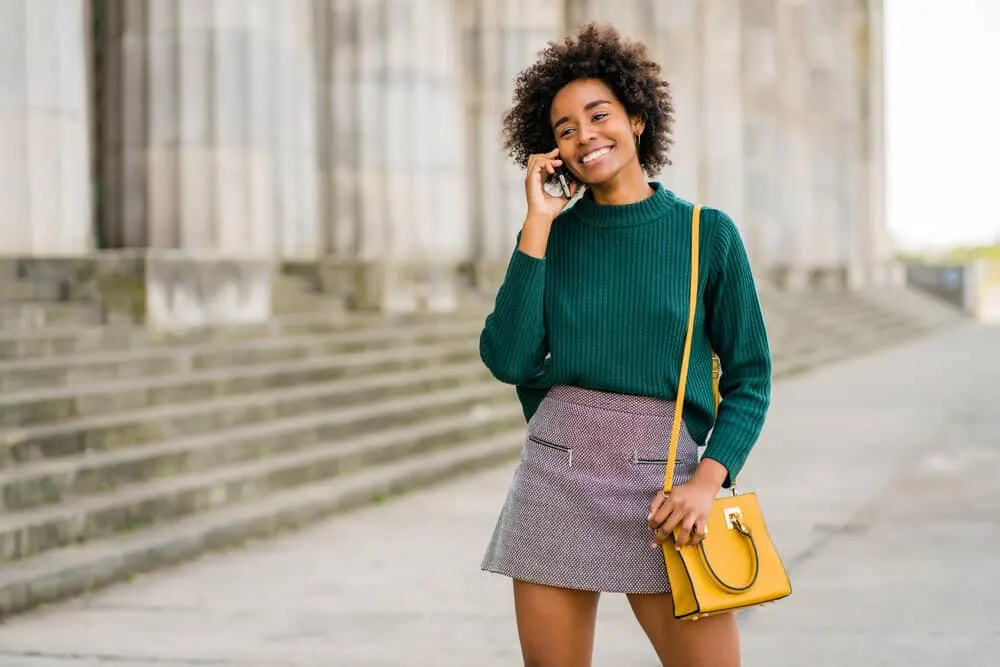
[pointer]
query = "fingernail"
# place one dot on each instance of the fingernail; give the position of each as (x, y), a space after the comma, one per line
(649, 516)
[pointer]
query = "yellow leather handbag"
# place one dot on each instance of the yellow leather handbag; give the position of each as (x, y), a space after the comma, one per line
(736, 565)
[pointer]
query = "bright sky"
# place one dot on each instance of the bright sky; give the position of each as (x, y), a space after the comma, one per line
(943, 121)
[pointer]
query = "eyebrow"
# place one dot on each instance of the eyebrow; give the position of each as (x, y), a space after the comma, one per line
(588, 107)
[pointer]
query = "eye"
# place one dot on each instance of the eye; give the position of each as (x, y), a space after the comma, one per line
(566, 132)
(601, 115)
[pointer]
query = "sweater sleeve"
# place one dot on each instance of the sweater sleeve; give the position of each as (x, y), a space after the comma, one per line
(513, 343)
(736, 330)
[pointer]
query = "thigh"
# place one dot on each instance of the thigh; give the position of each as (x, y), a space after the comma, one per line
(708, 642)
(555, 625)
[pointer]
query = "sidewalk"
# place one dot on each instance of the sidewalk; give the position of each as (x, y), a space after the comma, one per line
(880, 479)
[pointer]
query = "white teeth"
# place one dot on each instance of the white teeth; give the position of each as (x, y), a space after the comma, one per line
(596, 154)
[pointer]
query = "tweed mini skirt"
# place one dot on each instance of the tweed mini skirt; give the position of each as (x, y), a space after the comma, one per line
(575, 512)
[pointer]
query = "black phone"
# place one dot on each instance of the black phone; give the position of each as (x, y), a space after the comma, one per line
(559, 182)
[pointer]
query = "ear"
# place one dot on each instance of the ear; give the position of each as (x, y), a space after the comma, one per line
(638, 125)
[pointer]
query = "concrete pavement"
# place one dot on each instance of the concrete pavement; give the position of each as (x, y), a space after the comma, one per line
(880, 479)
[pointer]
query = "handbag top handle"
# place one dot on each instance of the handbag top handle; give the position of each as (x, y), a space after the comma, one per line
(675, 431)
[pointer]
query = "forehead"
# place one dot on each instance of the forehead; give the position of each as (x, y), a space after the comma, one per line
(574, 96)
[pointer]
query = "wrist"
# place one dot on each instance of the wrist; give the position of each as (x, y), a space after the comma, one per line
(538, 220)
(535, 236)
(710, 474)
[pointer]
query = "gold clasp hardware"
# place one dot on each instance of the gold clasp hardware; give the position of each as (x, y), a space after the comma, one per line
(734, 517)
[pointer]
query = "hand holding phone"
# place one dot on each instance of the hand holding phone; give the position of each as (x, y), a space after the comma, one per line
(548, 185)
(558, 184)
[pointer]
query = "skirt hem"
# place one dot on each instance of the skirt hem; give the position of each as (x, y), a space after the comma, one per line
(576, 586)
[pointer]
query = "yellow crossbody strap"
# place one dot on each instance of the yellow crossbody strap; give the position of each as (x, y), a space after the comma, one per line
(675, 432)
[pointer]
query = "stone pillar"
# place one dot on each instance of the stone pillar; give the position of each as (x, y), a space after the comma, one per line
(795, 205)
(210, 126)
(675, 42)
(722, 159)
(818, 43)
(45, 175)
(630, 17)
(881, 269)
(763, 134)
(207, 126)
(397, 162)
(501, 39)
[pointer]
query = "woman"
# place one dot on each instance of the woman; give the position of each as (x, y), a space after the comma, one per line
(589, 325)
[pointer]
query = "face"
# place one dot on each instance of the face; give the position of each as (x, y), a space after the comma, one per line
(593, 131)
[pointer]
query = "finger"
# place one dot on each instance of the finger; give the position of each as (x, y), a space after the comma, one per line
(700, 531)
(677, 515)
(686, 530)
(654, 504)
(661, 536)
(552, 153)
(662, 512)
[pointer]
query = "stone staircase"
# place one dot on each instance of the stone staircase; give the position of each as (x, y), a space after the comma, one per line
(122, 451)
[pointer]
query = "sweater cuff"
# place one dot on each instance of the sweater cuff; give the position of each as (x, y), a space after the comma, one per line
(730, 454)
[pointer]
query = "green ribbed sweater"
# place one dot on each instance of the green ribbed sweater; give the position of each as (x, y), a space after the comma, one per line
(607, 309)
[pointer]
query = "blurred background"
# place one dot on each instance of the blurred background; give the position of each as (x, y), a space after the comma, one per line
(246, 247)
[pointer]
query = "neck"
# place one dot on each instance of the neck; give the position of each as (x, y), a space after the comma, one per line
(627, 187)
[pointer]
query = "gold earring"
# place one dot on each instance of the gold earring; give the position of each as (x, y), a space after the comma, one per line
(638, 140)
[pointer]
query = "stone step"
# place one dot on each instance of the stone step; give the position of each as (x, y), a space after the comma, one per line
(63, 340)
(80, 568)
(61, 480)
(42, 406)
(409, 430)
(138, 427)
(145, 487)
(31, 315)
(916, 306)
(75, 369)
(28, 290)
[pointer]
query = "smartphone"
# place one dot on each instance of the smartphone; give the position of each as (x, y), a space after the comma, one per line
(558, 183)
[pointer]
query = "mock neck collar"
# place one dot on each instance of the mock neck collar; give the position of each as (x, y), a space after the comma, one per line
(624, 215)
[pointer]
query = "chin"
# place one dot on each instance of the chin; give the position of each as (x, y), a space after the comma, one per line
(600, 180)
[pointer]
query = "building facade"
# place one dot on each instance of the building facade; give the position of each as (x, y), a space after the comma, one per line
(363, 135)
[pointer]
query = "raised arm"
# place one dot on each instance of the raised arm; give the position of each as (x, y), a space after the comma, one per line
(512, 343)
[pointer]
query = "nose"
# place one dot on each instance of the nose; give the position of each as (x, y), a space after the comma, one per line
(586, 134)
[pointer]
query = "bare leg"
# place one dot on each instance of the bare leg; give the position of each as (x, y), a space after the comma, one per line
(708, 642)
(555, 625)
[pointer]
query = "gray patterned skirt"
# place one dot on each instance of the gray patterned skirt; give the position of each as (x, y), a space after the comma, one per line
(575, 513)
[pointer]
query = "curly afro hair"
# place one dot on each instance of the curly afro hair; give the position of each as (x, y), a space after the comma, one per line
(595, 52)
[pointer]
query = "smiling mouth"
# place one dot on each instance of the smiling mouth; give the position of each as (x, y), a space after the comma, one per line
(595, 156)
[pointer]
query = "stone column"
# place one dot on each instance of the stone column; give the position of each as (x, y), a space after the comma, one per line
(501, 39)
(397, 163)
(629, 16)
(722, 161)
(208, 151)
(675, 42)
(876, 253)
(835, 101)
(763, 134)
(213, 148)
(45, 175)
(795, 204)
